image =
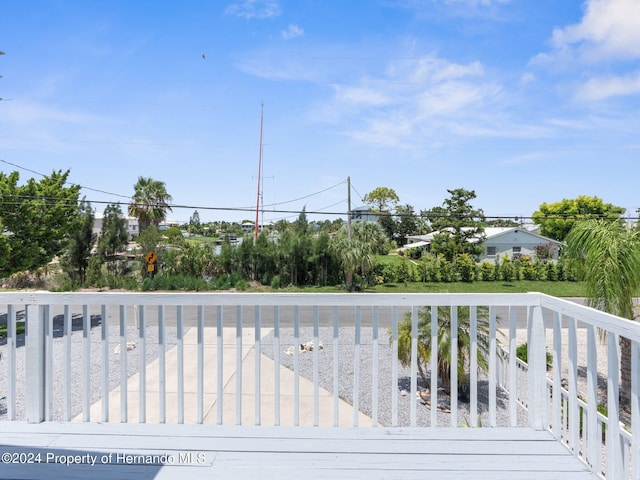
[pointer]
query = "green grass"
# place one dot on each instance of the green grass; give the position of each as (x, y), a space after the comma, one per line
(557, 289)
(20, 328)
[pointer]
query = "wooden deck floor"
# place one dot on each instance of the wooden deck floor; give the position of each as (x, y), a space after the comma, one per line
(123, 451)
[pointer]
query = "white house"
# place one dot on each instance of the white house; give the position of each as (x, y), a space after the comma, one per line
(499, 241)
(510, 241)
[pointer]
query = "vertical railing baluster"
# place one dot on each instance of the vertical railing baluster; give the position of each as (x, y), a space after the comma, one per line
(414, 367)
(220, 364)
(573, 387)
(142, 365)
(257, 368)
(296, 365)
(557, 376)
(593, 445)
(124, 401)
(513, 369)
(537, 371)
(48, 356)
(104, 337)
(66, 372)
(394, 366)
(493, 366)
(35, 359)
(180, 346)
(473, 338)
(316, 361)
(162, 378)
(613, 441)
(276, 372)
(200, 367)
(11, 362)
(635, 410)
(238, 365)
(375, 373)
(356, 367)
(86, 369)
(433, 394)
(336, 368)
(454, 366)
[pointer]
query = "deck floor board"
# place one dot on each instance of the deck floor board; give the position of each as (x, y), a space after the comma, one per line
(204, 451)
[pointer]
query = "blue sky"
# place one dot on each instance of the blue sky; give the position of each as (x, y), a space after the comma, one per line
(523, 101)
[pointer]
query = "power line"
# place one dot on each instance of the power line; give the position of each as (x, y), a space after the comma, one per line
(306, 196)
(73, 184)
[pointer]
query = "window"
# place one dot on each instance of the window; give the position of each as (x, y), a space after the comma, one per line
(491, 251)
(516, 249)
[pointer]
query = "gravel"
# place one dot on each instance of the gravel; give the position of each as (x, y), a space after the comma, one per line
(386, 390)
(77, 374)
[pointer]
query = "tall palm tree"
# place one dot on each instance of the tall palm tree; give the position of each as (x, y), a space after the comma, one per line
(357, 253)
(608, 257)
(150, 202)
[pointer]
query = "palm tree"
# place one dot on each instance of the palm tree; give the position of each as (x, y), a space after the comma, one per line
(608, 257)
(443, 347)
(357, 252)
(150, 202)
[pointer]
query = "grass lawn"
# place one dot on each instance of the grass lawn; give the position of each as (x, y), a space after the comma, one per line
(557, 289)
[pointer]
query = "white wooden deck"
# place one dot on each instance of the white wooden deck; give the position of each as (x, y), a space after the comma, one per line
(123, 451)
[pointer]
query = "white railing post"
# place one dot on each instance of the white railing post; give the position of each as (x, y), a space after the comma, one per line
(35, 359)
(536, 356)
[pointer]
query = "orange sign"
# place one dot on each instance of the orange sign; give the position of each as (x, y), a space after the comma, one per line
(151, 257)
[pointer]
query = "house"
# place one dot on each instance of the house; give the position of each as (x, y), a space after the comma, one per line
(498, 242)
(510, 241)
(363, 214)
(132, 224)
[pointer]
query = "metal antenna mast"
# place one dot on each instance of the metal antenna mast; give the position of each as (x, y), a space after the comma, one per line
(257, 228)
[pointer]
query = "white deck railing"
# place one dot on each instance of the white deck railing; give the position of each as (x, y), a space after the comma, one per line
(76, 342)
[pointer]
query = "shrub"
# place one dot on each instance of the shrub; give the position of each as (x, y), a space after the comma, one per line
(507, 270)
(275, 282)
(522, 353)
(465, 267)
(487, 272)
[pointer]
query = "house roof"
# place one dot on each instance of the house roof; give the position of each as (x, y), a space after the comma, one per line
(489, 233)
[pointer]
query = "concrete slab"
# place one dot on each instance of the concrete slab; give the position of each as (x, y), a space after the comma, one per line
(266, 397)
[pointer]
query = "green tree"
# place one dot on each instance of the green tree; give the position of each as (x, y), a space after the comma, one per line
(557, 219)
(383, 199)
(113, 237)
(608, 260)
(407, 223)
(76, 259)
(195, 227)
(459, 225)
(150, 202)
(356, 253)
(443, 347)
(38, 219)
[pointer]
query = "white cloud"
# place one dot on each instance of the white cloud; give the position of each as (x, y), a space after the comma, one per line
(436, 70)
(527, 78)
(609, 28)
(600, 88)
(292, 31)
(254, 9)
(362, 96)
(413, 99)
